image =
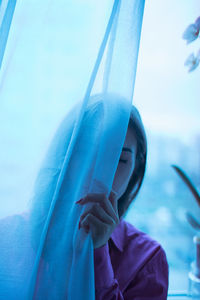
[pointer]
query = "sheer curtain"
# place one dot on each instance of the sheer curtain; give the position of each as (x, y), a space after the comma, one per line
(66, 87)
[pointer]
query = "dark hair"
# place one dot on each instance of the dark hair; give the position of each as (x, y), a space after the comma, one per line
(135, 182)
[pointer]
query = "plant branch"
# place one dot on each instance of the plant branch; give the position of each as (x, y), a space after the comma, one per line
(188, 182)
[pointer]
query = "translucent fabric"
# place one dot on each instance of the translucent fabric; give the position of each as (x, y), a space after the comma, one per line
(43, 254)
(6, 13)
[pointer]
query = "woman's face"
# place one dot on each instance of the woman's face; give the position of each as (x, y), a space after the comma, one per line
(126, 164)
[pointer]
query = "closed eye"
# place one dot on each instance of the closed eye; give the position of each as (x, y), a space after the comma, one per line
(123, 160)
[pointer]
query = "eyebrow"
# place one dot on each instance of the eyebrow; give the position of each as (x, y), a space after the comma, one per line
(127, 149)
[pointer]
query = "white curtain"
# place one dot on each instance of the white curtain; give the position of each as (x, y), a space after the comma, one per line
(66, 88)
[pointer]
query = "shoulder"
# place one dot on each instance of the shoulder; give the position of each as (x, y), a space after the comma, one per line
(150, 272)
(142, 248)
(13, 225)
(127, 235)
(140, 259)
(14, 219)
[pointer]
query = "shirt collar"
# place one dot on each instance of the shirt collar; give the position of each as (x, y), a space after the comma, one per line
(118, 236)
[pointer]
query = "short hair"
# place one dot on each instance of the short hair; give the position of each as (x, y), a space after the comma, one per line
(135, 182)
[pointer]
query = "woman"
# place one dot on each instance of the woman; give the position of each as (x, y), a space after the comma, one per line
(128, 263)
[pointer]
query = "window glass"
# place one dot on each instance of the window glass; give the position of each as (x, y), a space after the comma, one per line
(168, 99)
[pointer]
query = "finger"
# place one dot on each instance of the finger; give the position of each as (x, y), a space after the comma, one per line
(91, 219)
(92, 223)
(100, 231)
(99, 213)
(103, 201)
(113, 200)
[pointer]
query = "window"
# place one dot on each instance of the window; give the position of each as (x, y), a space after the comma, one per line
(168, 99)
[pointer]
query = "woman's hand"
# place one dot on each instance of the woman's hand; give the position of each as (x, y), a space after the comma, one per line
(101, 218)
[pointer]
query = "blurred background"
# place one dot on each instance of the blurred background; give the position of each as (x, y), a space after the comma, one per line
(39, 83)
(168, 98)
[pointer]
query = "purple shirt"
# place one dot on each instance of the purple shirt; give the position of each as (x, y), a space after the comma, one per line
(131, 266)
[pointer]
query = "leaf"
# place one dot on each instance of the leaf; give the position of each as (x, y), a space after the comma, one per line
(191, 33)
(188, 182)
(193, 222)
(192, 62)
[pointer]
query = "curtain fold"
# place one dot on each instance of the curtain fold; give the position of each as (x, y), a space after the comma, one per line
(7, 8)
